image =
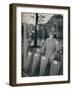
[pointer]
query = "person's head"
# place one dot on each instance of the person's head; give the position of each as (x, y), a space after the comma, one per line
(50, 35)
(53, 28)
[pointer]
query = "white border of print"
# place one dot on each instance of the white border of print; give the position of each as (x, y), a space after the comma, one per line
(63, 77)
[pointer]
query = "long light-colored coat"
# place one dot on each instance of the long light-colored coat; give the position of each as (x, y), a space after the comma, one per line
(52, 46)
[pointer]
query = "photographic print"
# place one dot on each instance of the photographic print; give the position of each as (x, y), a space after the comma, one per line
(39, 44)
(42, 44)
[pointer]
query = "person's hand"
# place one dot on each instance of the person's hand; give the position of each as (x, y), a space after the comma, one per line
(53, 56)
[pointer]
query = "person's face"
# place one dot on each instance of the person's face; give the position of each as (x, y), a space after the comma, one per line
(53, 28)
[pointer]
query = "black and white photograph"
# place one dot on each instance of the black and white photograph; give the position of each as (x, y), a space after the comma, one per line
(42, 44)
(39, 44)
